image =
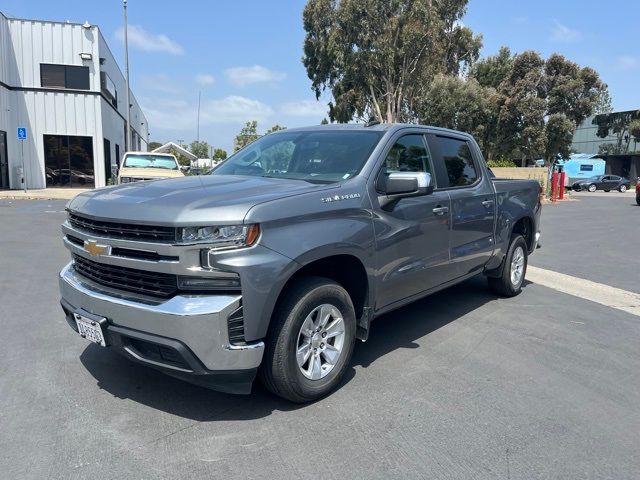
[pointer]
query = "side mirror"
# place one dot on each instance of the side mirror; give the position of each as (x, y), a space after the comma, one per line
(184, 168)
(405, 184)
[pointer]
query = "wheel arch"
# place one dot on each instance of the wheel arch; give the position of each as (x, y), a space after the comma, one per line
(346, 268)
(525, 227)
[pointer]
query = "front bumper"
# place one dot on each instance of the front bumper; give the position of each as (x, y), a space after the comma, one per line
(191, 330)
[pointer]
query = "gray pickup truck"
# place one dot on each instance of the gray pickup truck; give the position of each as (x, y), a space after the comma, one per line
(276, 262)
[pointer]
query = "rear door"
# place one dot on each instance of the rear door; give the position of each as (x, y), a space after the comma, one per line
(613, 182)
(472, 195)
(412, 235)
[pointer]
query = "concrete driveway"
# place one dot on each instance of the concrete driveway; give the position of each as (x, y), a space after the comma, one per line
(459, 385)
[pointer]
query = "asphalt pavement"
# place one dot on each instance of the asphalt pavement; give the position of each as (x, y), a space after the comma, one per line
(594, 236)
(459, 385)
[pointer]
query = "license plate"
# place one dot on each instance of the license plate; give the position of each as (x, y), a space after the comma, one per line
(90, 329)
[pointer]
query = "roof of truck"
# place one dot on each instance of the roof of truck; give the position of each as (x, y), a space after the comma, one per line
(380, 127)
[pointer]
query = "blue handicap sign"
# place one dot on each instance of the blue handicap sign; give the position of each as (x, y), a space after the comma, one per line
(22, 133)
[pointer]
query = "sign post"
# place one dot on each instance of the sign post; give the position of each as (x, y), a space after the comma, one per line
(22, 136)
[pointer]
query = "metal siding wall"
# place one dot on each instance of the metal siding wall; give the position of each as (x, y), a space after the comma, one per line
(24, 45)
(30, 43)
(138, 119)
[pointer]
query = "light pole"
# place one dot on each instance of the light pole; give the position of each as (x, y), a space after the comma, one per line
(127, 137)
(198, 132)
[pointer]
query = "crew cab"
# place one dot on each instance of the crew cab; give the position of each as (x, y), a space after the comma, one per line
(276, 262)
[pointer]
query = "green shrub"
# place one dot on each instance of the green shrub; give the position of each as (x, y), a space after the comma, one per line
(500, 163)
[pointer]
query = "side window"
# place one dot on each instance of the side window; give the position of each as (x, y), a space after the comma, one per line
(408, 154)
(458, 161)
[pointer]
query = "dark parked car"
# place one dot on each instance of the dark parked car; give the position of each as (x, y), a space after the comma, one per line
(602, 182)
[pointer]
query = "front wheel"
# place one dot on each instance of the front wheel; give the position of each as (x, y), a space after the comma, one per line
(514, 269)
(622, 188)
(310, 342)
(592, 188)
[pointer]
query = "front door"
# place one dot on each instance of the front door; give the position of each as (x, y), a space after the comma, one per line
(4, 161)
(412, 235)
(473, 199)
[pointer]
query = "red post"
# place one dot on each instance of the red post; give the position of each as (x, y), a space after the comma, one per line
(554, 186)
(561, 191)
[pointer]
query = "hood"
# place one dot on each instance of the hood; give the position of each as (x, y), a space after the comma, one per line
(195, 200)
(149, 172)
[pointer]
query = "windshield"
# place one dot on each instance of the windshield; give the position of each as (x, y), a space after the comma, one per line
(312, 156)
(151, 161)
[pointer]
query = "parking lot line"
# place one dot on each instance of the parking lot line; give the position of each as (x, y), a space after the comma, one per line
(586, 289)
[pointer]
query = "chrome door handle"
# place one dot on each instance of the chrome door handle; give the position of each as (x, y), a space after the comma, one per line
(487, 203)
(440, 210)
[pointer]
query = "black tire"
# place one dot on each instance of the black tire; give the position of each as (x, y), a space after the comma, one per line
(279, 371)
(502, 284)
(592, 188)
(622, 188)
(607, 191)
(638, 199)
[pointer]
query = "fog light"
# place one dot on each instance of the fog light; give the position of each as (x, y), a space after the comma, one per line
(226, 281)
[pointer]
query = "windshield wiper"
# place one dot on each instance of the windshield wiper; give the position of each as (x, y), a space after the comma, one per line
(308, 180)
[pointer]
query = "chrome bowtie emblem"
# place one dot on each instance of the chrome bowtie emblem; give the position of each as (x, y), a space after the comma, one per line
(95, 249)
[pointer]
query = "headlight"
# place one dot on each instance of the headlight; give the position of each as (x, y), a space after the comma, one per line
(125, 179)
(222, 236)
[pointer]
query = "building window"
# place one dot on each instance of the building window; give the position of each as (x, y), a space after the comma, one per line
(64, 76)
(108, 88)
(68, 161)
(586, 168)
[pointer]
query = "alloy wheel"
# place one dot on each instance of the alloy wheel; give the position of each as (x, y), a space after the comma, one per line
(320, 341)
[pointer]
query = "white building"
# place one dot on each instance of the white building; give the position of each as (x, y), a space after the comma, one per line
(61, 82)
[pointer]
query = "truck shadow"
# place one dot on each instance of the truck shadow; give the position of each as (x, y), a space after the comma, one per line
(399, 329)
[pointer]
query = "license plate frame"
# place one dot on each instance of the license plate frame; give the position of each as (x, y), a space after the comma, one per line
(91, 329)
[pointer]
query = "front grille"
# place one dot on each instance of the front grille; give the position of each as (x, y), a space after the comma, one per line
(130, 253)
(128, 279)
(127, 231)
(235, 326)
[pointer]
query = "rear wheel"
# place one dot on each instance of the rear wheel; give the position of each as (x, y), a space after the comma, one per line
(310, 342)
(592, 188)
(622, 188)
(514, 269)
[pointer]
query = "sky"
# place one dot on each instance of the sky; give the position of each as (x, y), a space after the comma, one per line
(244, 57)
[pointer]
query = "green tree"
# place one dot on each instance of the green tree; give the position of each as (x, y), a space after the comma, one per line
(493, 70)
(559, 134)
(571, 90)
(617, 124)
(531, 92)
(219, 154)
(153, 145)
(634, 130)
(182, 160)
(199, 149)
(324, 122)
(377, 56)
(453, 102)
(248, 134)
(604, 103)
(275, 128)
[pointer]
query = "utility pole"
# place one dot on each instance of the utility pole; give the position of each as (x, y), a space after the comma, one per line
(198, 132)
(127, 137)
